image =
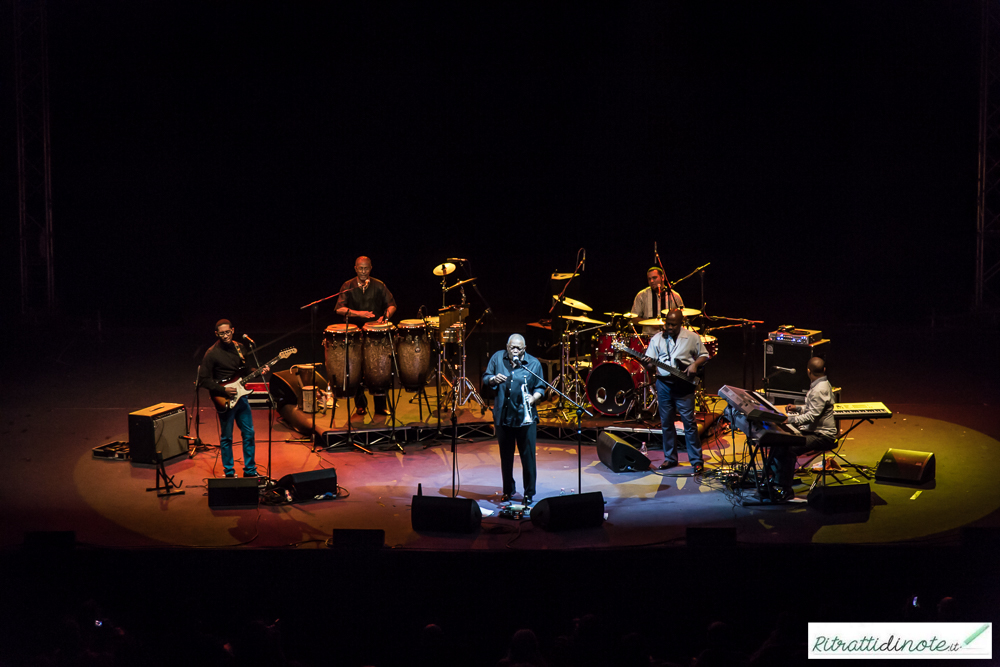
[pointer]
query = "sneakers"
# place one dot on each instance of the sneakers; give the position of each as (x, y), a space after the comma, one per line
(231, 474)
(249, 474)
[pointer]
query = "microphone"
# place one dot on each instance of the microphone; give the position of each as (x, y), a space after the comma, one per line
(456, 259)
(790, 371)
(249, 339)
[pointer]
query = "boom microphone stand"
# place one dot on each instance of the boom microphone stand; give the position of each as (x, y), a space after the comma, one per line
(314, 307)
(580, 410)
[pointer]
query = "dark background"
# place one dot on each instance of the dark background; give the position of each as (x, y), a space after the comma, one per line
(232, 159)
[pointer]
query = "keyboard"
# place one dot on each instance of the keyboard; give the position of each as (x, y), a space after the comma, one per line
(872, 410)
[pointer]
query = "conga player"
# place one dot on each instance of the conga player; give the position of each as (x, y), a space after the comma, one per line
(366, 299)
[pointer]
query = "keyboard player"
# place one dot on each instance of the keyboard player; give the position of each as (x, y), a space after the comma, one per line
(815, 420)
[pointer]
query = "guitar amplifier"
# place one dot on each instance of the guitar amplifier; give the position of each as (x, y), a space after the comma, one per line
(791, 355)
(159, 427)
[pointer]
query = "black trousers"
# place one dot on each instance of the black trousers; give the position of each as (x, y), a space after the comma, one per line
(783, 458)
(361, 401)
(523, 437)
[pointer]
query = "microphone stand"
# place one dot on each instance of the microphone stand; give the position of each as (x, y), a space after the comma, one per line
(268, 479)
(314, 307)
(394, 397)
(580, 410)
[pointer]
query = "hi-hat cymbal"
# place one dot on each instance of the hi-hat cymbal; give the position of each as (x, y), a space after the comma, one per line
(582, 318)
(687, 312)
(572, 303)
(651, 323)
(444, 269)
(627, 316)
(564, 276)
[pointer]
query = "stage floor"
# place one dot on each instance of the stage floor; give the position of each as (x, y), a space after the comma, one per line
(53, 482)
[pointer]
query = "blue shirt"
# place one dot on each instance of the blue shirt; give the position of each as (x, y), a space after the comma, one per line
(508, 409)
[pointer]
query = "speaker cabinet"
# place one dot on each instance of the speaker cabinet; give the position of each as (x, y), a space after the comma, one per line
(905, 466)
(618, 455)
(791, 355)
(585, 510)
(841, 498)
(307, 485)
(160, 427)
(445, 515)
(233, 493)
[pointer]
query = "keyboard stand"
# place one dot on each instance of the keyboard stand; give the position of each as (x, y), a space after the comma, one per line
(862, 470)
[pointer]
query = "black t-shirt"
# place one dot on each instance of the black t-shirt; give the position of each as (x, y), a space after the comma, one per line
(376, 297)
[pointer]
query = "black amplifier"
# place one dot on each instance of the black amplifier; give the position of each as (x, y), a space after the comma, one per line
(794, 356)
(160, 427)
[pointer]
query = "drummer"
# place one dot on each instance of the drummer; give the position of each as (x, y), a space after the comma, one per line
(653, 300)
(365, 299)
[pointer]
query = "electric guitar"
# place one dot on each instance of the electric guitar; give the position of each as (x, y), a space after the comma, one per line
(677, 374)
(224, 403)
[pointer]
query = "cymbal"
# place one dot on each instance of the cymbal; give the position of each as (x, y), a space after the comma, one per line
(651, 323)
(582, 318)
(444, 269)
(627, 316)
(564, 276)
(687, 312)
(572, 303)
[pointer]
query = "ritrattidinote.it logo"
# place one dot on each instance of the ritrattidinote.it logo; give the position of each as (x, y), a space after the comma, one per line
(886, 641)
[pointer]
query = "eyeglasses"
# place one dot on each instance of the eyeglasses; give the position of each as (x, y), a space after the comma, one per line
(223, 334)
(515, 348)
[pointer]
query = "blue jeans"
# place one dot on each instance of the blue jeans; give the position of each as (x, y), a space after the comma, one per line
(680, 400)
(241, 415)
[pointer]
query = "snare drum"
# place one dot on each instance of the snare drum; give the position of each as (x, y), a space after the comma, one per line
(711, 344)
(414, 349)
(454, 334)
(334, 339)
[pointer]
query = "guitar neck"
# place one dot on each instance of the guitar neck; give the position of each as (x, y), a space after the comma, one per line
(257, 372)
(680, 375)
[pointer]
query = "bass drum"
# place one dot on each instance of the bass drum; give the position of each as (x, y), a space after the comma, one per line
(378, 356)
(334, 338)
(614, 385)
(414, 346)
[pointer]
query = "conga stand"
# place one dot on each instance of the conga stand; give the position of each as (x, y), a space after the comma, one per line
(394, 397)
(347, 374)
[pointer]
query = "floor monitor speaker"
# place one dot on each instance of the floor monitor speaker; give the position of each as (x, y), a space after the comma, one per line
(445, 515)
(841, 498)
(618, 455)
(160, 427)
(309, 484)
(905, 466)
(233, 493)
(584, 510)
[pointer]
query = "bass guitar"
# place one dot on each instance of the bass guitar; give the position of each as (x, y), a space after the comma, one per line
(677, 374)
(224, 403)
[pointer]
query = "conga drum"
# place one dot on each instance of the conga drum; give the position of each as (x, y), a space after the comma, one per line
(336, 338)
(378, 356)
(414, 345)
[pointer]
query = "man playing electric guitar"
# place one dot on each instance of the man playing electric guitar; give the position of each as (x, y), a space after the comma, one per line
(224, 361)
(681, 349)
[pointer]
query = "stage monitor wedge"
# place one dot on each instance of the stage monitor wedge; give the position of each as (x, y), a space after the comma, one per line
(618, 455)
(445, 515)
(233, 493)
(584, 510)
(905, 466)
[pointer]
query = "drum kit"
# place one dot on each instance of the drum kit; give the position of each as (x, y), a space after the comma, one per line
(616, 383)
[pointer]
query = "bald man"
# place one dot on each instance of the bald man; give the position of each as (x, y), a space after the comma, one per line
(366, 299)
(814, 419)
(514, 413)
(682, 349)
